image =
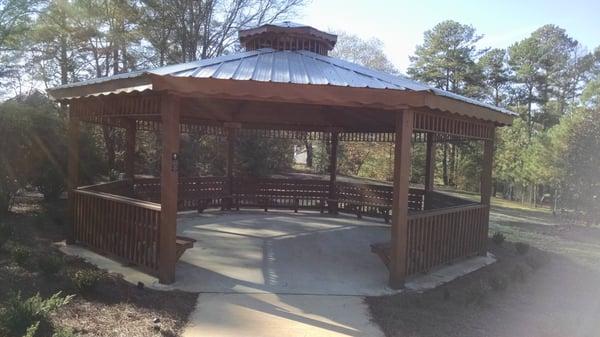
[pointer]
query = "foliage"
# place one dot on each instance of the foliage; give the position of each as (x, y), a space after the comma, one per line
(260, 157)
(498, 238)
(19, 314)
(64, 332)
(51, 264)
(20, 254)
(86, 280)
(368, 53)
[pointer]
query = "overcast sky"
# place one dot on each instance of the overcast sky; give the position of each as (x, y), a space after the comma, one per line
(400, 24)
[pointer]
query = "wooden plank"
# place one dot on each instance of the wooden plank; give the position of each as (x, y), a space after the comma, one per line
(399, 232)
(73, 172)
(486, 188)
(170, 114)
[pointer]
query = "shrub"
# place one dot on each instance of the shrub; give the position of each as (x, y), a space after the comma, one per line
(5, 234)
(498, 282)
(20, 255)
(51, 264)
(522, 248)
(86, 280)
(24, 316)
(498, 238)
(64, 332)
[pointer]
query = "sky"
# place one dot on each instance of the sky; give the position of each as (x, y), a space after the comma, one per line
(400, 24)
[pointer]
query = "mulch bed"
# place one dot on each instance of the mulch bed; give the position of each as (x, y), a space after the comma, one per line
(113, 308)
(532, 294)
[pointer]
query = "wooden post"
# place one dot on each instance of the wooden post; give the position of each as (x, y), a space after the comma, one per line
(73, 171)
(170, 110)
(486, 188)
(230, 162)
(429, 169)
(332, 202)
(399, 232)
(130, 133)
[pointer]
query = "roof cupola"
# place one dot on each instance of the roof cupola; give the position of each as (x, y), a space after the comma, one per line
(287, 36)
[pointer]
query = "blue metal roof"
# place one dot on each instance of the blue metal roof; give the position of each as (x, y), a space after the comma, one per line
(297, 67)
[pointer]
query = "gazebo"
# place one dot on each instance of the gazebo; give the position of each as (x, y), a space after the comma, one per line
(285, 86)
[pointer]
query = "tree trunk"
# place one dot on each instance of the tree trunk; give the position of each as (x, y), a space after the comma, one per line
(110, 147)
(445, 165)
(309, 153)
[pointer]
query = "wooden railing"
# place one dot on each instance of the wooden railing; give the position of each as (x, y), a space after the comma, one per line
(122, 227)
(280, 193)
(374, 200)
(441, 236)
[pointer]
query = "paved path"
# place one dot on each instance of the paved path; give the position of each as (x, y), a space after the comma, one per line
(281, 274)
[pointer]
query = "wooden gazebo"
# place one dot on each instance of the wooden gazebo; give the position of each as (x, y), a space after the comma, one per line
(284, 85)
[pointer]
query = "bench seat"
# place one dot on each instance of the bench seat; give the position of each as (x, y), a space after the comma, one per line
(182, 244)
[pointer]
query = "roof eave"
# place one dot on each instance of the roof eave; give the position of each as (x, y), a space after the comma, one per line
(136, 83)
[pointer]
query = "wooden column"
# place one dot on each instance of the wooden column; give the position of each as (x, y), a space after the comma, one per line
(332, 202)
(170, 111)
(231, 133)
(429, 168)
(399, 232)
(130, 133)
(486, 187)
(73, 171)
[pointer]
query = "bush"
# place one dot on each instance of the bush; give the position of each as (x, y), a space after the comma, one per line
(21, 317)
(498, 282)
(20, 255)
(64, 332)
(5, 234)
(498, 238)
(51, 264)
(522, 248)
(86, 280)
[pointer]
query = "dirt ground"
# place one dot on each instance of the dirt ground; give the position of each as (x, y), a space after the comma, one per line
(113, 308)
(552, 290)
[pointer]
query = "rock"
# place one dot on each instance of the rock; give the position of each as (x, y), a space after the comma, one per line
(156, 320)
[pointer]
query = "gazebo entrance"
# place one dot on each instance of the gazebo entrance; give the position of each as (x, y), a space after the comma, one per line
(288, 89)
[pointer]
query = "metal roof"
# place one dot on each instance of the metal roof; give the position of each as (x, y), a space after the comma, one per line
(296, 67)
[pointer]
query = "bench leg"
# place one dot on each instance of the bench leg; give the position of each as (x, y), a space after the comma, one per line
(296, 202)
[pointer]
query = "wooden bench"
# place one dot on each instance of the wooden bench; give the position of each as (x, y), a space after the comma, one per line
(275, 193)
(383, 250)
(356, 207)
(182, 244)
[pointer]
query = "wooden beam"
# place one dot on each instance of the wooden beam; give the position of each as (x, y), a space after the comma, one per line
(170, 112)
(130, 135)
(429, 168)
(73, 171)
(399, 232)
(333, 206)
(486, 188)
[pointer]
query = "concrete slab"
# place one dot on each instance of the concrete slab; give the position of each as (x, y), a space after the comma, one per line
(445, 274)
(282, 253)
(271, 315)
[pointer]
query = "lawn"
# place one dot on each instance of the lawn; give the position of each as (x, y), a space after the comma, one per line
(101, 305)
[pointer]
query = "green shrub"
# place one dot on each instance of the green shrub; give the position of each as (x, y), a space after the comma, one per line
(5, 234)
(86, 280)
(19, 316)
(498, 282)
(64, 332)
(498, 238)
(20, 255)
(51, 264)
(522, 248)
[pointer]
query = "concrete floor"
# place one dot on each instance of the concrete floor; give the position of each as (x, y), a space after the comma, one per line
(282, 253)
